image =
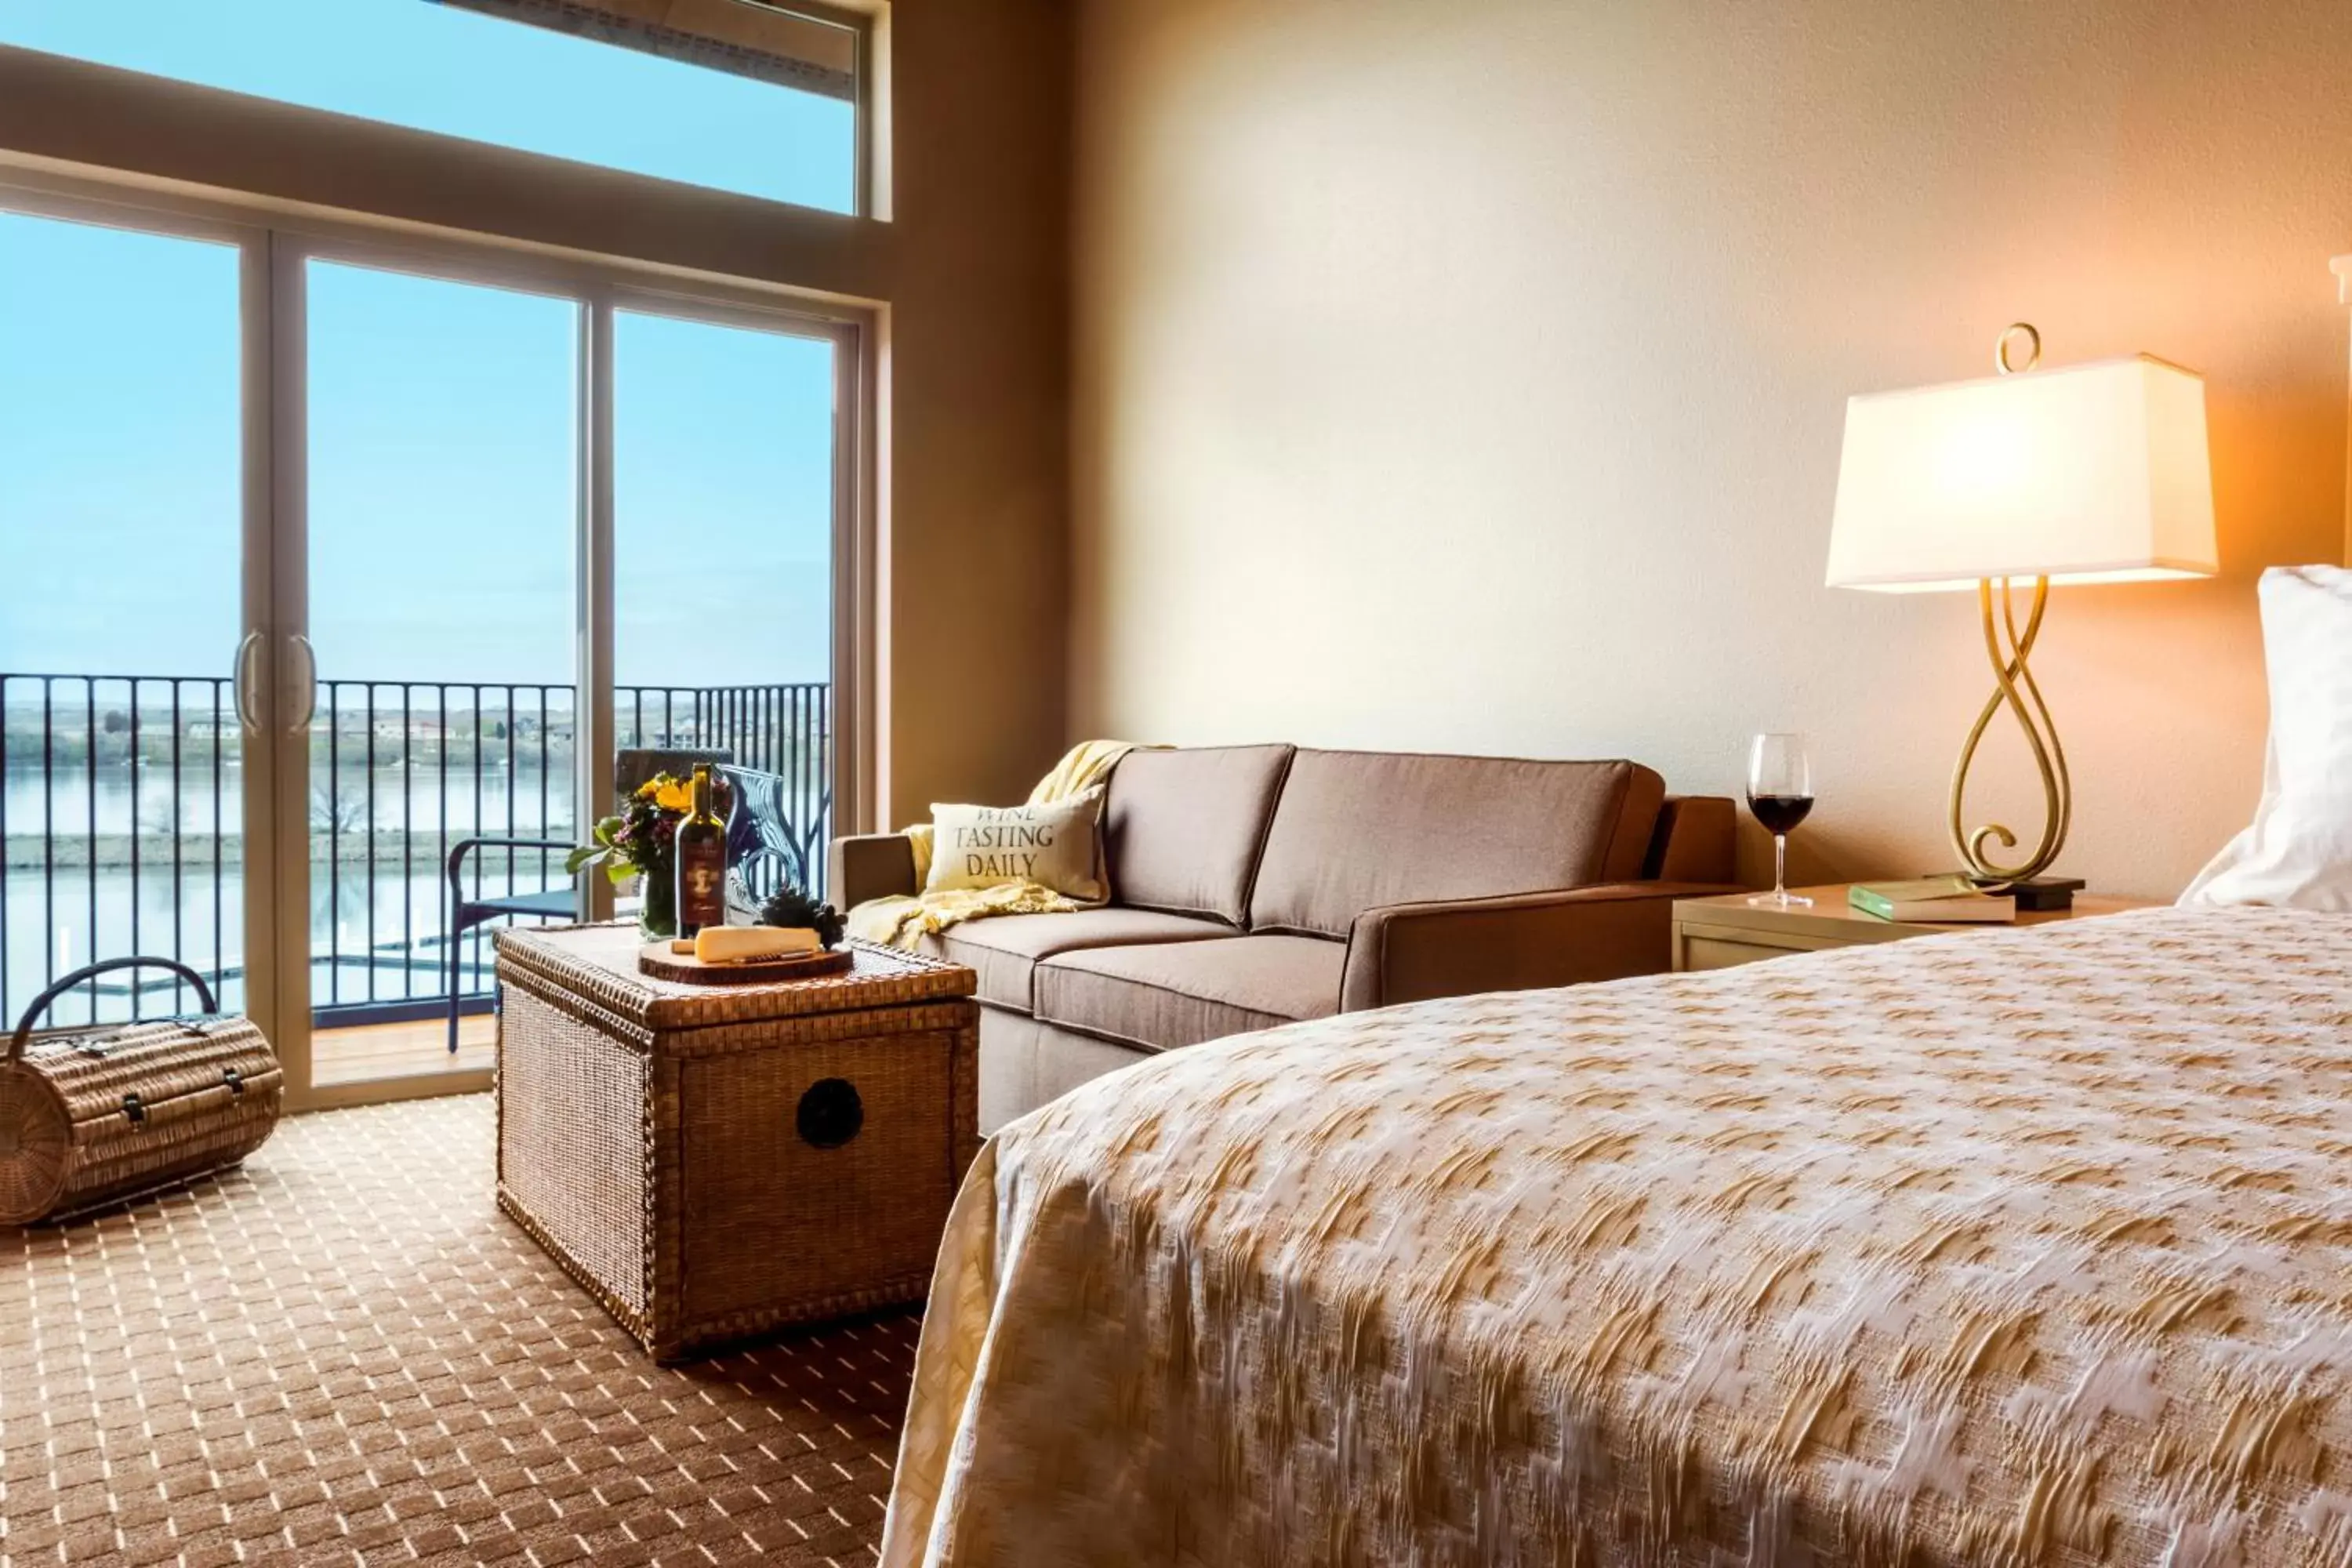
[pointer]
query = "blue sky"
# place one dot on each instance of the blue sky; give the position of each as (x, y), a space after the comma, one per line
(442, 464)
(438, 67)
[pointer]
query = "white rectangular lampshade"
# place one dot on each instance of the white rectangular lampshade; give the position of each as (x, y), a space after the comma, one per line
(2095, 473)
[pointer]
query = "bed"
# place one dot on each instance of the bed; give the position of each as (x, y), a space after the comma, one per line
(2020, 1246)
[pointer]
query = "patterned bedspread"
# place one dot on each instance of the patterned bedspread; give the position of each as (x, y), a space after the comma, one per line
(2019, 1247)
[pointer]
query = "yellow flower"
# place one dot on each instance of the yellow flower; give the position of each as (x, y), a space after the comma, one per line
(646, 791)
(675, 797)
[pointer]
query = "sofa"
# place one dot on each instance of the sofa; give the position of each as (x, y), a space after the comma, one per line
(1253, 886)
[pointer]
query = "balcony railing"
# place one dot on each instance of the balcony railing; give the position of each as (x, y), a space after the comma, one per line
(121, 812)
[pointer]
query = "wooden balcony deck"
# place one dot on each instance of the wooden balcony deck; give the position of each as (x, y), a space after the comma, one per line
(373, 1052)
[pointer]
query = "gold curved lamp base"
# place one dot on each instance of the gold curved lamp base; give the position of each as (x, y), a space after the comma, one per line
(2010, 648)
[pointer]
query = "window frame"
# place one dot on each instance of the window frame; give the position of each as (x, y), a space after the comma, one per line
(276, 241)
(869, 186)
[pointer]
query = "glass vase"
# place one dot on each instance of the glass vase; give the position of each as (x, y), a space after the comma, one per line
(657, 915)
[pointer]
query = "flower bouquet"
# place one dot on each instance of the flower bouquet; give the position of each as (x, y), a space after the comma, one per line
(640, 839)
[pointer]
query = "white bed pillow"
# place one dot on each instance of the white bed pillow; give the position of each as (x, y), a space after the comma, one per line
(2298, 853)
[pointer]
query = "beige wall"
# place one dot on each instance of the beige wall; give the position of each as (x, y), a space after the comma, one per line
(979, 283)
(2342, 268)
(1472, 376)
(974, 271)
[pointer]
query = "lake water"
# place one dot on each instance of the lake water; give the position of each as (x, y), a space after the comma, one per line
(48, 930)
(67, 798)
(386, 927)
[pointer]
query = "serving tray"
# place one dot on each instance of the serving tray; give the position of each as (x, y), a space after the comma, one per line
(654, 958)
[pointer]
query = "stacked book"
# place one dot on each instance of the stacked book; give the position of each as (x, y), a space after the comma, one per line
(1931, 900)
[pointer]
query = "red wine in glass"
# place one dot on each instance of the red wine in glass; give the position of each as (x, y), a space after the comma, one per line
(1781, 794)
(1779, 813)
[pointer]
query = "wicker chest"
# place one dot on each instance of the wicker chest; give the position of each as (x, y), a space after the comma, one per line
(711, 1162)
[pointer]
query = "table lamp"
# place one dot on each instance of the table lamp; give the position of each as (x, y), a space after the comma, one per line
(2095, 473)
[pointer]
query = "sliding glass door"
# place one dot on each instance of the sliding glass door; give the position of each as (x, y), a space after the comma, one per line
(132, 678)
(441, 466)
(724, 447)
(546, 540)
(342, 583)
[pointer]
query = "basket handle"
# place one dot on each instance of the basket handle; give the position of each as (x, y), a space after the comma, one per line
(91, 971)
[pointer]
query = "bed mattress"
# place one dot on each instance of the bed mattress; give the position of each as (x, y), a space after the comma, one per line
(2025, 1246)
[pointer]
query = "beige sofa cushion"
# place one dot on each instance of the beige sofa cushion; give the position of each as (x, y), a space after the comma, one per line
(1024, 1063)
(1356, 830)
(1183, 828)
(1180, 994)
(1003, 949)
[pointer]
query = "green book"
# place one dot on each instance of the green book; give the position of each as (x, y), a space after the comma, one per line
(1932, 900)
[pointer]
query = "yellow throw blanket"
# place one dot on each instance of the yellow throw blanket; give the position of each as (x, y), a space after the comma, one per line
(902, 922)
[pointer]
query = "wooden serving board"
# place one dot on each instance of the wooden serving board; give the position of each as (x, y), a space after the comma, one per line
(655, 959)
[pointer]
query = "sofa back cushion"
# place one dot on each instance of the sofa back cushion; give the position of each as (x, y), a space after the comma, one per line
(1355, 830)
(1183, 828)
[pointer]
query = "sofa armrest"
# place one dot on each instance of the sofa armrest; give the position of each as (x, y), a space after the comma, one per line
(870, 866)
(1694, 840)
(1409, 952)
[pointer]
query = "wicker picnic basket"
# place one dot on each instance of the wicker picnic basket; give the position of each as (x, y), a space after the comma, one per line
(91, 1118)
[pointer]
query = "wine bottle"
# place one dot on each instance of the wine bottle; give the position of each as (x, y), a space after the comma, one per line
(701, 854)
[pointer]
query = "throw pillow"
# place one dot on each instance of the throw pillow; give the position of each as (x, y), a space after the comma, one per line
(1052, 845)
(2298, 853)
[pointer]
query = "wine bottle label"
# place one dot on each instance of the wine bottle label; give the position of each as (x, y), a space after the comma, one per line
(701, 885)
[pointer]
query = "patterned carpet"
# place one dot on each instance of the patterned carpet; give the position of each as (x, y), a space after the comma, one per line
(343, 1353)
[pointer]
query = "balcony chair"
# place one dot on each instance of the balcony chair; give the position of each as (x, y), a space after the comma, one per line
(632, 767)
(560, 903)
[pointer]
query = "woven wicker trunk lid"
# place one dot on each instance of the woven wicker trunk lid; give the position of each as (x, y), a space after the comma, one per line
(714, 1162)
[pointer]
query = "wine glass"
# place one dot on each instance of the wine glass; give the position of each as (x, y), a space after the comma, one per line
(1780, 791)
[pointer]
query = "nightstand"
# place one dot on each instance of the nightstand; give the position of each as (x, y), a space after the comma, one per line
(1715, 934)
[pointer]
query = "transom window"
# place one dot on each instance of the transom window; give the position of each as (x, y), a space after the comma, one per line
(733, 94)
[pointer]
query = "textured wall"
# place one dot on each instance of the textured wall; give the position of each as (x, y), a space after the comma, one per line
(1472, 376)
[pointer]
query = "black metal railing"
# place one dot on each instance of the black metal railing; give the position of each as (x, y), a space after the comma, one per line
(120, 824)
(121, 812)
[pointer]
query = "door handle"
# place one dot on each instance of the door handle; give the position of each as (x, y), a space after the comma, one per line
(241, 684)
(309, 683)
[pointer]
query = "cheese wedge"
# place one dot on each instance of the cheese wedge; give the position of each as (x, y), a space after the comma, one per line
(745, 944)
